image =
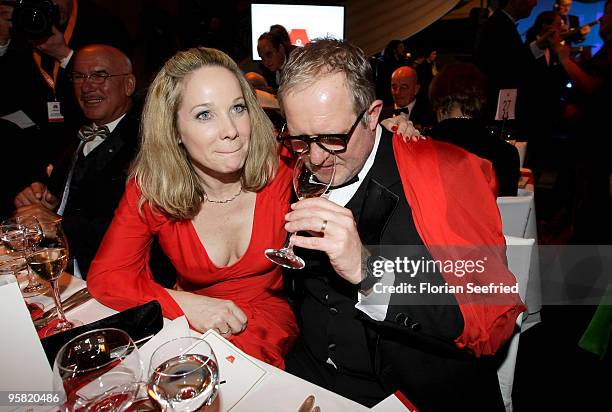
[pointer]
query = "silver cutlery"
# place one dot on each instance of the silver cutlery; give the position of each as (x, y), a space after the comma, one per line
(74, 300)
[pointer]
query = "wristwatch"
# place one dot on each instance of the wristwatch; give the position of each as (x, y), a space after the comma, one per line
(371, 278)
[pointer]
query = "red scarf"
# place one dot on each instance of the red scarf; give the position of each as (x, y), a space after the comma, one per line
(452, 197)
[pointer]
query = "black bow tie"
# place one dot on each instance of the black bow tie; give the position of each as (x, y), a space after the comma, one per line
(88, 133)
(401, 110)
(348, 182)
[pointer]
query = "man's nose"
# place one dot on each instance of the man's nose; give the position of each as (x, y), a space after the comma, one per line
(317, 155)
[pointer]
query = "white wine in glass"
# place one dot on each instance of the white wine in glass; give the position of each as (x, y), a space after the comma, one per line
(22, 234)
(49, 263)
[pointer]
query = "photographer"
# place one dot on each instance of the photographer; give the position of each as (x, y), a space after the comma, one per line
(37, 42)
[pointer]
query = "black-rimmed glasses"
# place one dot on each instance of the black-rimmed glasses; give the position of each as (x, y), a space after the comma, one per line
(95, 77)
(332, 143)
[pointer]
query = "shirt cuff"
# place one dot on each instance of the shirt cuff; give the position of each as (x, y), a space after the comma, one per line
(535, 50)
(4, 48)
(376, 303)
(64, 62)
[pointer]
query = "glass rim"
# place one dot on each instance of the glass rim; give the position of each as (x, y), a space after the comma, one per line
(164, 374)
(65, 346)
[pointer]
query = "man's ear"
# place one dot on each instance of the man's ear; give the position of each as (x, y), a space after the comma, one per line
(130, 84)
(416, 89)
(374, 112)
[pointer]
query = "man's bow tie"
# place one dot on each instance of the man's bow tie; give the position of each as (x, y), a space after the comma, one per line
(401, 110)
(348, 182)
(88, 133)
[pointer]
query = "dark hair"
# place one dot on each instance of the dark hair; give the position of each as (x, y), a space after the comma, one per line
(390, 49)
(273, 38)
(546, 17)
(461, 85)
(281, 32)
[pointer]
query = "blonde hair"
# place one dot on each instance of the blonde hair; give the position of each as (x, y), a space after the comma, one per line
(162, 168)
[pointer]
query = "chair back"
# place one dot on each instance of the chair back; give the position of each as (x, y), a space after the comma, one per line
(518, 215)
(518, 253)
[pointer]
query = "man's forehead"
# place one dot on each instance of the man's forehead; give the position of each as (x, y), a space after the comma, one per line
(95, 61)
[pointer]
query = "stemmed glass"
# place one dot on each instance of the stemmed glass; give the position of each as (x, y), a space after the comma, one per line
(49, 262)
(307, 183)
(98, 370)
(184, 375)
(21, 234)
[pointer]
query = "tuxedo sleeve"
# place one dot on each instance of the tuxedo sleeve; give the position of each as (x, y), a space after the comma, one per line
(119, 276)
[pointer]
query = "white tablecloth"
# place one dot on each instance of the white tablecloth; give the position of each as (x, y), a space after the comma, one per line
(277, 391)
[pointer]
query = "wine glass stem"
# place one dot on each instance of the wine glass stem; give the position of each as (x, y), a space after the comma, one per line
(288, 246)
(58, 302)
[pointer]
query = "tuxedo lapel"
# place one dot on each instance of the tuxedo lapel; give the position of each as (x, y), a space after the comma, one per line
(378, 205)
(374, 204)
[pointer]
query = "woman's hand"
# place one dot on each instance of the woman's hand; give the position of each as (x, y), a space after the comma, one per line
(205, 313)
(403, 127)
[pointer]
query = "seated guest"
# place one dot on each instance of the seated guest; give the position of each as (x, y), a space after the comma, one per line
(404, 89)
(357, 340)
(85, 188)
(208, 184)
(457, 95)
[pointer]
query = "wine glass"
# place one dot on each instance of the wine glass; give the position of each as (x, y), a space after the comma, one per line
(49, 262)
(98, 370)
(21, 234)
(184, 375)
(307, 183)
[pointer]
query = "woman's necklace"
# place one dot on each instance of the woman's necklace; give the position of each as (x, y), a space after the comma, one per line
(459, 117)
(206, 199)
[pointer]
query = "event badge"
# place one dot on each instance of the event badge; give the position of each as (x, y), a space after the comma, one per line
(54, 109)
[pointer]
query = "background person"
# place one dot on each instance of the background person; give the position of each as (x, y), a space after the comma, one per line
(85, 187)
(458, 98)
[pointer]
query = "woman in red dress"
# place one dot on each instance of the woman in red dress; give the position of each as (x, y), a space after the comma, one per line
(208, 183)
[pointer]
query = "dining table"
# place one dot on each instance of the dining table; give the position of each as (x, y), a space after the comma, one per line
(277, 390)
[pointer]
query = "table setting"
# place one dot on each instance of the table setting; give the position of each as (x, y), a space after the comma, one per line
(87, 356)
(240, 382)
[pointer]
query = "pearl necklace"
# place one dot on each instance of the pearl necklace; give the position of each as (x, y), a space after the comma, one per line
(206, 199)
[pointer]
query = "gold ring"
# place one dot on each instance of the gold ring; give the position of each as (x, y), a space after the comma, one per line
(323, 226)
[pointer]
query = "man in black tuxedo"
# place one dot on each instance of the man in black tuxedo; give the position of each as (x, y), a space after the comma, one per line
(356, 340)
(86, 187)
(571, 23)
(34, 73)
(405, 87)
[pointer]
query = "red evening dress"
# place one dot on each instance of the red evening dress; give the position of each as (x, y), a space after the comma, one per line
(120, 277)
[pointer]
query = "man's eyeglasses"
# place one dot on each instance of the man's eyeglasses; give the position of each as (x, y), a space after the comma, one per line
(331, 143)
(95, 77)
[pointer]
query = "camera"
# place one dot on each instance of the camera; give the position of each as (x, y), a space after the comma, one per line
(33, 19)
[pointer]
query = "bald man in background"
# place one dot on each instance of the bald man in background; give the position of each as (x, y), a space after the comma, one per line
(404, 89)
(86, 187)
